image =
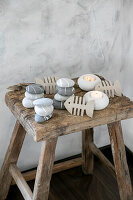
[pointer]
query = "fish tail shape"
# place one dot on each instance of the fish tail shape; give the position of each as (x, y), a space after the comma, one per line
(90, 108)
(117, 86)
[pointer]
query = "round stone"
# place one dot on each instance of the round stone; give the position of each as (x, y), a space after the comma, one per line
(35, 89)
(58, 104)
(59, 97)
(88, 82)
(43, 102)
(44, 111)
(33, 96)
(65, 91)
(27, 103)
(40, 119)
(65, 82)
(100, 99)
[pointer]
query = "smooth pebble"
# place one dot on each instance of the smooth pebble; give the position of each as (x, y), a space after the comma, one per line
(27, 103)
(43, 102)
(35, 89)
(40, 119)
(59, 97)
(44, 111)
(58, 104)
(65, 91)
(33, 96)
(65, 82)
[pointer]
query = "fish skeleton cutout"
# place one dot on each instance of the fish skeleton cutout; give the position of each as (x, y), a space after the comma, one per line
(109, 88)
(76, 106)
(49, 84)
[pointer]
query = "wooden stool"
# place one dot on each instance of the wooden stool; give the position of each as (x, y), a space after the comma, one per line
(63, 123)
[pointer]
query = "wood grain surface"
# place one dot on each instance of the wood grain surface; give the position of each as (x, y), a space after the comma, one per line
(62, 122)
(11, 156)
(87, 155)
(120, 161)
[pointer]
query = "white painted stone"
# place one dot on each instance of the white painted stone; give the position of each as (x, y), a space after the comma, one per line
(27, 103)
(65, 82)
(33, 96)
(59, 97)
(99, 102)
(44, 111)
(43, 102)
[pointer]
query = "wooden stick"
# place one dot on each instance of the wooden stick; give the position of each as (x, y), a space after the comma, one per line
(119, 156)
(44, 170)
(20, 181)
(12, 155)
(30, 175)
(101, 156)
(87, 156)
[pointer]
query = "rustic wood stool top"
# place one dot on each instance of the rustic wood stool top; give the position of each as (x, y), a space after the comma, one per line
(62, 122)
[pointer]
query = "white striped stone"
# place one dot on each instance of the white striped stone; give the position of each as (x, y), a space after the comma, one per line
(44, 111)
(33, 96)
(65, 82)
(27, 103)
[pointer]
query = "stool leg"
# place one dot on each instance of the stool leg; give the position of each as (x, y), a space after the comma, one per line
(119, 156)
(87, 155)
(44, 170)
(12, 155)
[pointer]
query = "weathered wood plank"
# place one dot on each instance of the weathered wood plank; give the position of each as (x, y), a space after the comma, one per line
(11, 157)
(87, 155)
(119, 156)
(101, 156)
(118, 109)
(62, 166)
(20, 181)
(44, 170)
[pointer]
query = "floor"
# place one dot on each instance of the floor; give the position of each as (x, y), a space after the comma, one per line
(74, 185)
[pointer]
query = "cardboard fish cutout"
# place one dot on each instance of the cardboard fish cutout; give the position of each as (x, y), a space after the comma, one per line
(76, 106)
(49, 84)
(109, 88)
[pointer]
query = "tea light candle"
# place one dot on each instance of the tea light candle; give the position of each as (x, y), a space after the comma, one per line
(87, 82)
(101, 100)
(96, 94)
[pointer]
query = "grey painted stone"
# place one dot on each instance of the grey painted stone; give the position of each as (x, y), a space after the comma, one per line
(44, 111)
(65, 91)
(27, 103)
(40, 119)
(33, 96)
(59, 97)
(65, 82)
(58, 104)
(43, 102)
(35, 89)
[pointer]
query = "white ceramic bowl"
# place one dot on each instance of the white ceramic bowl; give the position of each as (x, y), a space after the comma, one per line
(88, 82)
(99, 102)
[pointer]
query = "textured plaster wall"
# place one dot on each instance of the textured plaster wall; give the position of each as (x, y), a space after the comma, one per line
(66, 38)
